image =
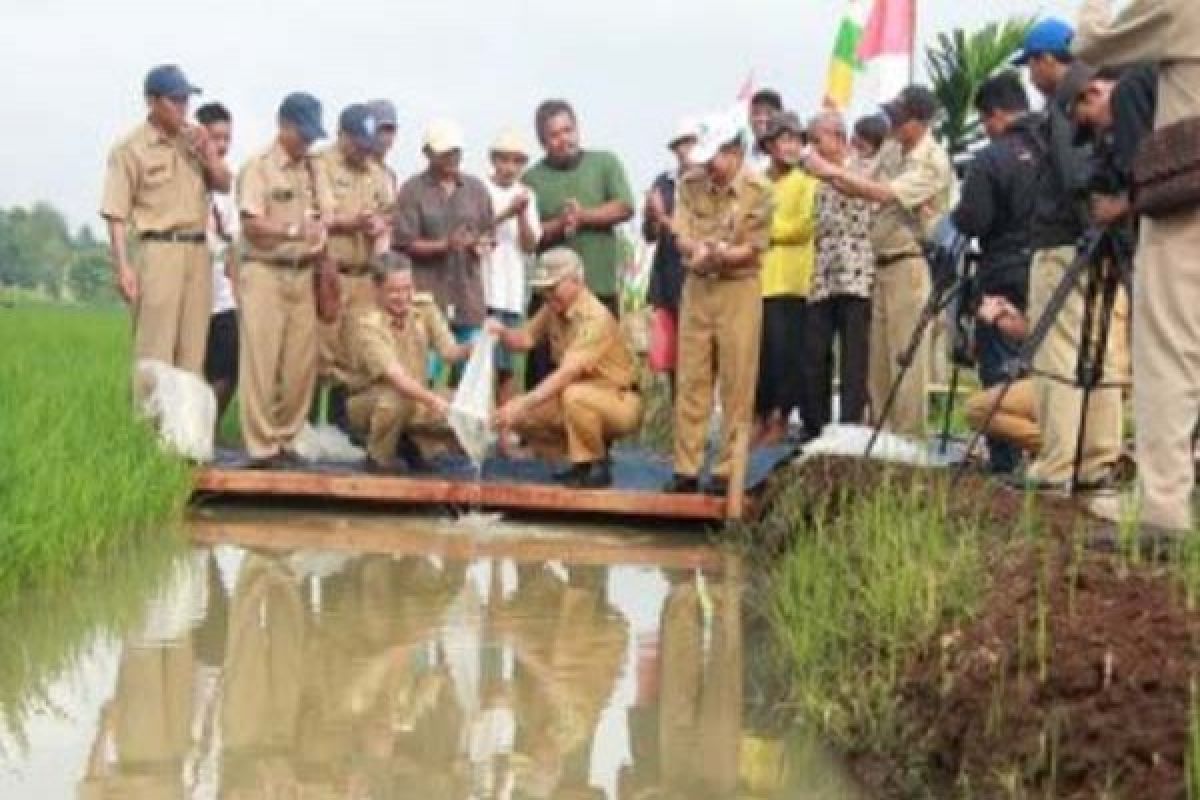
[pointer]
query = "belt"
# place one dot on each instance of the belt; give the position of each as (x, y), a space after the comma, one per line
(177, 237)
(287, 263)
(353, 270)
(887, 261)
(735, 275)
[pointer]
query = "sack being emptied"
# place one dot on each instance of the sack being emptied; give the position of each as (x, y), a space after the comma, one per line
(474, 401)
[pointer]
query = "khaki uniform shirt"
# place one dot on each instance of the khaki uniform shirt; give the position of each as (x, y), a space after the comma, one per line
(590, 332)
(155, 184)
(356, 190)
(738, 214)
(376, 344)
(923, 182)
(282, 191)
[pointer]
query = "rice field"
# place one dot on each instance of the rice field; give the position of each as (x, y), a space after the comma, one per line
(80, 477)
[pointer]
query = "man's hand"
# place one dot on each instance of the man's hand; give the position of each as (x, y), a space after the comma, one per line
(314, 233)
(819, 168)
(441, 406)
(572, 217)
(1109, 209)
(126, 281)
(656, 207)
(990, 309)
(505, 417)
(199, 142)
(495, 327)
(518, 205)
(484, 244)
(701, 258)
(461, 239)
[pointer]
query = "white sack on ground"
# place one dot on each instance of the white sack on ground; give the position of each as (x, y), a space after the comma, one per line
(851, 441)
(474, 401)
(181, 406)
(326, 443)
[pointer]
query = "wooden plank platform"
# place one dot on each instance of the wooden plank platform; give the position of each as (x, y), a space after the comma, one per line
(418, 491)
(583, 547)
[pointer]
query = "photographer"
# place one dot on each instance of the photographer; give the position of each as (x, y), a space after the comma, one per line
(996, 209)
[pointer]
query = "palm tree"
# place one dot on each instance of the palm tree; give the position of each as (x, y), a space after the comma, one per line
(958, 64)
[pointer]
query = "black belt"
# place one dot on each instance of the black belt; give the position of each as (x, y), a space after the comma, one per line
(887, 261)
(288, 263)
(177, 237)
(354, 270)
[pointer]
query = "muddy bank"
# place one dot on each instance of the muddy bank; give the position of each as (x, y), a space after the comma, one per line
(1070, 676)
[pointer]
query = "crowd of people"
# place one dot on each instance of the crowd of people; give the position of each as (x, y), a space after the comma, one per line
(783, 248)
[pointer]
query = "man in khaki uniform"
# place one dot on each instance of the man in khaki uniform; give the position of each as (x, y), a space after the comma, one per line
(592, 396)
(389, 347)
(722, 227)
(1166, 326)
(914, 185)
(157, 183)
(363, 197)
(285, 206)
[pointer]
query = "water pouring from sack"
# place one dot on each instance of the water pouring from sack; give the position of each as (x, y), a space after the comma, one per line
(471, 411)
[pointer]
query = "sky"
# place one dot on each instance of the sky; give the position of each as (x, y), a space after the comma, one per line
(73, 69)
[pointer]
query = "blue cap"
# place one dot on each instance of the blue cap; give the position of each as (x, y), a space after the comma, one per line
(304, 111)
(385, 112)
(168, 80)
(358, 122)
(1051, 36)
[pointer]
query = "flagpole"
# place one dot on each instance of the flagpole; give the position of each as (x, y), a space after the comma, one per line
(912, 56)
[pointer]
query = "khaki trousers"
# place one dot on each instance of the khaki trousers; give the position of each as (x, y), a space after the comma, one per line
(383, 415)
(277, 356)
(1059, 403)
(589, 416)
(900, 293)
(720, 328)
(1166, 372)
(170, 317)
(357, 292)
(1015, 421)
(153, 703)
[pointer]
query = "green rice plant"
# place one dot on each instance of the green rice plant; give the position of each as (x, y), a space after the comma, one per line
(1193, 750)
(79, 474)
(858, 594)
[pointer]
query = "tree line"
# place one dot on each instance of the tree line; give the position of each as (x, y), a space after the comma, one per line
(40, 254)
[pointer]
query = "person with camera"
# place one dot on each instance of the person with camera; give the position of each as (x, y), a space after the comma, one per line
(1166, 328)
(1060, 221)
(996, 209)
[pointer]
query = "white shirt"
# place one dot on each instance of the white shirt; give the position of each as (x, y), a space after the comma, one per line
(221, 205)
(504, 270)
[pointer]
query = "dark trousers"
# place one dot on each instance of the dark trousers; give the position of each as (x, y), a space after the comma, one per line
(781, 356)
(846, 319)
(540, 362)
(993, 351)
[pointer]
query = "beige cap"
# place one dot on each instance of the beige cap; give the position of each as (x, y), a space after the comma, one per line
(443, 135)
(510, 140)
(554, 266)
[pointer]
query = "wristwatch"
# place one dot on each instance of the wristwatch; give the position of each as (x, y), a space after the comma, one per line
(293, 231)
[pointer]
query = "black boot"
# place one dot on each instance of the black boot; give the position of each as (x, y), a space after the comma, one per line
(336, 410)
(681, 484)
(410, 454)
(717, 487)
(572, 475)
(594, 475)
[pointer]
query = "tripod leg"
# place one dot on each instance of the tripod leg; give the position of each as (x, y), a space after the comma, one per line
(948, 412)
(1108, 287)
(1085, 372)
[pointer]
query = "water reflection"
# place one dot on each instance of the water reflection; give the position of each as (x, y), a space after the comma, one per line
(277, 672)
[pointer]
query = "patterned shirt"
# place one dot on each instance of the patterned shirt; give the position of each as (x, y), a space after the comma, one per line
(845, 259)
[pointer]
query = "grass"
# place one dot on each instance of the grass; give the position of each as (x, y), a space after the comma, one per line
(853, 598)
(79, 475)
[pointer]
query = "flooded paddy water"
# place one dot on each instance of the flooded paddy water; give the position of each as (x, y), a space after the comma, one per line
(286, 655)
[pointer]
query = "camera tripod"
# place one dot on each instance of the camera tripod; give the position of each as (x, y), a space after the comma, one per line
(1105, 263)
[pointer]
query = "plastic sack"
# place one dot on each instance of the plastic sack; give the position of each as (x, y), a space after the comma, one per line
(663, 341)
(851, 441)
(181, 406)
(474, 401)
(326, 443)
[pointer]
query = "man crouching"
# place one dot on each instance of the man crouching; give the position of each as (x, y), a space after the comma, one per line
(389, 347)
(591, 398)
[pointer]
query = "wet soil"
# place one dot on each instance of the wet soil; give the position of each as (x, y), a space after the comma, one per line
(1074, 679)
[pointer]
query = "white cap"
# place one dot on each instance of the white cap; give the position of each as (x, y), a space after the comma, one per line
(510, 140)
(686, 128)
(443, 135)
(714, 132)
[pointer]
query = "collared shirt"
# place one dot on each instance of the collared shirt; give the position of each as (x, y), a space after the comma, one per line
(425, 210)
(282, 191)
(155, 184)
(222, 230)
(356, 190)
(737, 214)
(788, 265)
(845, 262)
(590, 332)
(504, 270)
(922, 181)
(377, 343)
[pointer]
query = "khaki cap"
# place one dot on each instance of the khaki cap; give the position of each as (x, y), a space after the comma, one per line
(554, 266)
(443, 135)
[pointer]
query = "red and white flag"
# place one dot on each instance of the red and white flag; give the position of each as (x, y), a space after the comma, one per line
(886, 48)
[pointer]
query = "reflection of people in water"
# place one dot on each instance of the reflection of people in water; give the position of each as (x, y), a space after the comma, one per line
(699, 704)
(146, 728)
(569, 644)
